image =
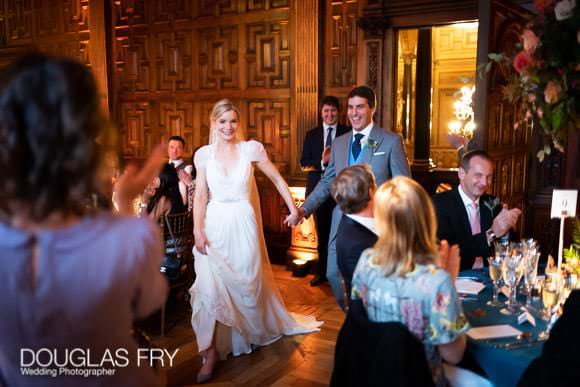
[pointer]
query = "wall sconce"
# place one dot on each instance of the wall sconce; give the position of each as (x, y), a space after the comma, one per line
(463, 111)
(304, 239)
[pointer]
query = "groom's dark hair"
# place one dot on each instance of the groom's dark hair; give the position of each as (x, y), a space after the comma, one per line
(364, 92)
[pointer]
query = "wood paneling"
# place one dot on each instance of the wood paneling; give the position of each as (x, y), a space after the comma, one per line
(343, 48)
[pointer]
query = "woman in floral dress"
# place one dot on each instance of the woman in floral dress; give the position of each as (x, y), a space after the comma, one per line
(399, 278)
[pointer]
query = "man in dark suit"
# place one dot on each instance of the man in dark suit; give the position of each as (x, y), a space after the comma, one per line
(354, 189)
(366, 143)
(466, 215)
(315, 156)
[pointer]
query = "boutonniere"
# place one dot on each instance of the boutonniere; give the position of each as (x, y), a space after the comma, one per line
(492, 204)
(373, 144)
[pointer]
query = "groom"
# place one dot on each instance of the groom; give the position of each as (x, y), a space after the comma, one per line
(366, 143)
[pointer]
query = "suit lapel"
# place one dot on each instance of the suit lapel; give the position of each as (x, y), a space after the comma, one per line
(374, 136)
(342, 153)
(485, 215)
(462, 211)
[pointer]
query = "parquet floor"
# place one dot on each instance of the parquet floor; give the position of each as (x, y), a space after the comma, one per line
(302, 360)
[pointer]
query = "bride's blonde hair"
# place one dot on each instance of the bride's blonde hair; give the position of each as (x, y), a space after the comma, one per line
(221, 107)
(407, 226)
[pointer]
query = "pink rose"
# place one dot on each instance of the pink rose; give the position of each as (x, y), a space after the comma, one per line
(540, 112)
(530, 41)
(552, 92)
(532, 98)
(522, 61)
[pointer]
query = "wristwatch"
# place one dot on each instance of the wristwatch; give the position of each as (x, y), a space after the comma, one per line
(490, 236)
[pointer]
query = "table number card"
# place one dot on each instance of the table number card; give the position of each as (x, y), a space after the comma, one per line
(564, 203)
(563, 206)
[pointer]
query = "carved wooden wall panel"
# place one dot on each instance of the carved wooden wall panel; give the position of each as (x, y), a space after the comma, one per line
(218, 58)
(174, 59)
(268, 55)
(57, 27)
(344, 65)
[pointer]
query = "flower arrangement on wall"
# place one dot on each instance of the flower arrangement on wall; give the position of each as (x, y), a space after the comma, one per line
(546, 80)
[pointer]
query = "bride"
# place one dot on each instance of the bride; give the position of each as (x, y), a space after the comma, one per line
(235, 302)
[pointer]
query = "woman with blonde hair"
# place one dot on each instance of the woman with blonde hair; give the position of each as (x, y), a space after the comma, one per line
(235, 302)
(400, 279)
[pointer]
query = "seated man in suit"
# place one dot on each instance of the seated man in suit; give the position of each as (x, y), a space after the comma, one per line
(466, 215)
(354, 189)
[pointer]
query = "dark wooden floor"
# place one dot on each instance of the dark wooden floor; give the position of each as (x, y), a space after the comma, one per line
(302, 360)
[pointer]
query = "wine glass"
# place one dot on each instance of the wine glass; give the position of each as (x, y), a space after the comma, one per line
(495, 273)
(502, 248)
(550, 298)
(512, 271)
(530, 275)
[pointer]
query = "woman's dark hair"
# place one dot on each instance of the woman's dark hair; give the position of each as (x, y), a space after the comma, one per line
(53, 138)
(168, 187)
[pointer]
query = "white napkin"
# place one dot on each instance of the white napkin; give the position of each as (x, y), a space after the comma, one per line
(467, 286)
(492, 332)
(526, 316)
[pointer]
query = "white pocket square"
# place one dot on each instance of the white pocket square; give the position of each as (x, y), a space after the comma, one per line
(378, 153)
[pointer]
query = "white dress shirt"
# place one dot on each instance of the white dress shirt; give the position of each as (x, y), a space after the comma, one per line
(365, 132)
(365, 221)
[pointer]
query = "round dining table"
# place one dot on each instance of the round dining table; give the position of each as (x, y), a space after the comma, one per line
(503, 366)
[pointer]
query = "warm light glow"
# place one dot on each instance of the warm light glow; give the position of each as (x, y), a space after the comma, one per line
(299, 262)
(463, 111)
(467, 26)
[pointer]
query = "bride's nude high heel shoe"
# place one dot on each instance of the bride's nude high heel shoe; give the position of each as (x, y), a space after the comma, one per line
(204, 377)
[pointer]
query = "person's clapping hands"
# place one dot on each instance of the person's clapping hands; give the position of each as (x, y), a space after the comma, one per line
(449, 259)
(134, 181)
(456, 140)
(505, 220)
(326, 155)
(184, 177)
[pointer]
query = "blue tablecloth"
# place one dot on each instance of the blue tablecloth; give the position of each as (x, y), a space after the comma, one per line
(503, 367)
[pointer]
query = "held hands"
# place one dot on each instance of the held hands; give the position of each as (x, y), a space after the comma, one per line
(295, 218)
(450, 259)
(505, 220)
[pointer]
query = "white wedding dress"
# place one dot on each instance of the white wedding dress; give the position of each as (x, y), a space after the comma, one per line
(234, 284)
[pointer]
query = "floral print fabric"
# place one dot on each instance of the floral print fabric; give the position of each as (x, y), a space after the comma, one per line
(425, 300)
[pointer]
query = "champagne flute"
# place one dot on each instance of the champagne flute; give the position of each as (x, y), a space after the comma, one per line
(530, 275)
(512, 272)
(550, 297)
(495, 273)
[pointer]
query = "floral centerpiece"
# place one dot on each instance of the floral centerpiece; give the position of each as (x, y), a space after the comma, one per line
(572, 254)
(546, 80)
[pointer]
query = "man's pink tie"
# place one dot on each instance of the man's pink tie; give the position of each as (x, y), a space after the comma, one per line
(474, 219)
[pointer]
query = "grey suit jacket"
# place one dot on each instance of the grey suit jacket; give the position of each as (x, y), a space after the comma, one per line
(387, 159)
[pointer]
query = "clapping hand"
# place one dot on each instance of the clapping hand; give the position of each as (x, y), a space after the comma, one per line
(326, 155)
(134, 181)
(505, 220)
(184, 177)
(450, 259)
